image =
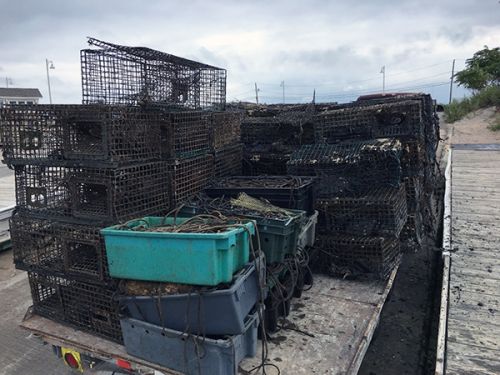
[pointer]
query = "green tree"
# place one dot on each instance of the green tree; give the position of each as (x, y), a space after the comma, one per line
(482, 70)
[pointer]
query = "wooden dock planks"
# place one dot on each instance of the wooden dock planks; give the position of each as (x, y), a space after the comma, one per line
(473, 336)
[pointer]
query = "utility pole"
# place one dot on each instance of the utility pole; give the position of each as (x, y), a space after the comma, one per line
(256, 93)
(283, 85)
(48, 76)
(7, 81)
(314, 96)
(451, 79)
(383, 79)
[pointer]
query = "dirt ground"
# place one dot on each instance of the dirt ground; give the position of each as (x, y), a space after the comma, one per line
(474, 128)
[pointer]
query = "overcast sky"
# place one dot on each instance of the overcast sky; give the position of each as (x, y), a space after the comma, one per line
(336, 47)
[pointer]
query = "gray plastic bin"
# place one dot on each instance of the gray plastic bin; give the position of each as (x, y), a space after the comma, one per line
(221, 312)
(308, 234)
(190, 354)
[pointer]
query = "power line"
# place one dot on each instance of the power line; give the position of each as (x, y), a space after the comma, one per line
(347, 94)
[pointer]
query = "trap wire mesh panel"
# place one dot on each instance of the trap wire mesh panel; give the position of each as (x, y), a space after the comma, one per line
(63, 248)
(379, 211)
(114, 74)
(120, 194)
(397, 119)
(225, 129)
(189, 176)
(43, 189)
(228, 161)
(31, 132)
(85, 306)
(105, 194)
(257, 163)
(349, 168)
(185, 134)
(45, 134)
(350, 255)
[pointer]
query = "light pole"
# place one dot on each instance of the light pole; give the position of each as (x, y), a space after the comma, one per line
(383, 79)
(47, 62)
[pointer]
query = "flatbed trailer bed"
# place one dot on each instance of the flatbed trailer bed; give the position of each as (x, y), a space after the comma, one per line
(328, 330)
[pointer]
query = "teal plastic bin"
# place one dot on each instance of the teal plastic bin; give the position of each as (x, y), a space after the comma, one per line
(278, 237)
(186, 258)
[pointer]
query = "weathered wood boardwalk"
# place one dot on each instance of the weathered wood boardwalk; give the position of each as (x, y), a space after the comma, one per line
(473, 319)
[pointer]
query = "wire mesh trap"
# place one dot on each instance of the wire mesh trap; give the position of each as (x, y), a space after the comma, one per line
(120, 194)
(358, 120)
(228, 161)
(63, 248)
(185, 134)
(350, 167)
(225, 129)
(189, 176)
(115, 74)
(257, 163)
(381, 211)
(350, 256)
(41, 134)
(104, 194)
(42, 189)
(86, 306)
(286, 129)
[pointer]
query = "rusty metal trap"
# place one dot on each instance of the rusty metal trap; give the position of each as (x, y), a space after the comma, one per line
(351, 256)
(59, 247)
(350, 167)
(47, 134)
(115, 74)
(85, 306)
(225, 129)
(189, 176)
(228, 161)
(185, 134)
(381, 211)
(106, 194)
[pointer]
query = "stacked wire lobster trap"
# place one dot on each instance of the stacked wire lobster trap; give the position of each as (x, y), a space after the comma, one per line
(361, 204)
(150, 132)
(362, 229)
(375, 164)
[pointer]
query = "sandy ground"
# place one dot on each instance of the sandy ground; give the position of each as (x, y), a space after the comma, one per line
(473, 128)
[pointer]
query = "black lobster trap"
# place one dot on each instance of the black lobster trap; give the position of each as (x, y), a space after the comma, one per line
(116, 74)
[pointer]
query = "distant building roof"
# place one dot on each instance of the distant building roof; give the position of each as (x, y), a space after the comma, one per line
(19, 93)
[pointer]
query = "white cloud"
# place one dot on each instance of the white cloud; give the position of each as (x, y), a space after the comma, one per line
(336, 47)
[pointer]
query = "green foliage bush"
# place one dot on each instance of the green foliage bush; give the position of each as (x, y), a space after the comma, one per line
(458, 109)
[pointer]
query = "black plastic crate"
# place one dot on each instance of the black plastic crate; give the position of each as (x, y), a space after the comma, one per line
(381, 211)
(79, 134)
(284, 191)
(225, 129)
(63, 248)
(189, 176)
(185, 133)
(347, 255)
(106, 194)
(115, 74)
(89, 307)
(228, 161)
(349, 168)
